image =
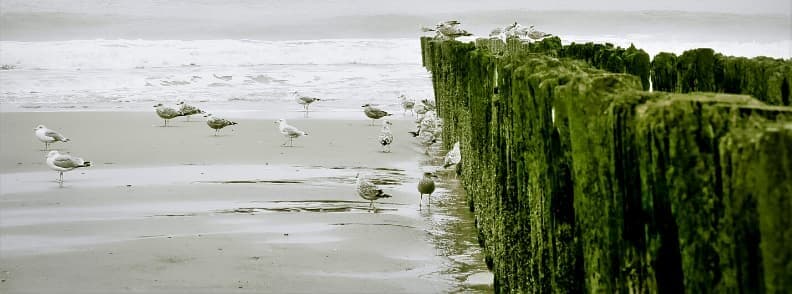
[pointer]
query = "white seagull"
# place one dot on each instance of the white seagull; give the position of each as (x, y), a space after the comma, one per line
(407, 104)
(386, 137)
(452, 157)
(289, 132)
(305, 101)
(367, 190)
(64, 162)
(48, 136)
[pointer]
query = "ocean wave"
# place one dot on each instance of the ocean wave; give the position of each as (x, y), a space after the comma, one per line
(125, 54)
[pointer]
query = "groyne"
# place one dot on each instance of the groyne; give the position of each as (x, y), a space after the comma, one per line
(580, 180)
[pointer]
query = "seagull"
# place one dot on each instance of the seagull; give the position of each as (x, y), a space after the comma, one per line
(217, 123)
(452, 32)
(188, 110)
(407, 104)
(452, 157)
(386, 137)
(537, 35)
(305, 101)
(289, 132)
(48, 136)
(374, 113)
(426, 186)
(64, 162)
(427, 139)
(367, 190)
(167, 113)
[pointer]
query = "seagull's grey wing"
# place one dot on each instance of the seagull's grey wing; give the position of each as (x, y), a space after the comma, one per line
(368, 188)
(292, 130)
(68, 161)
(307, 99)
(54, 134)
(378, 112)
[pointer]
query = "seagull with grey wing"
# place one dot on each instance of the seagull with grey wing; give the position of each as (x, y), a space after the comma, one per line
(407, 104)
(217, 123)
(303, 100)
(167, 113)
(289, 132)
(48, 136)
(426, 186)
(64, 162)
(374, 113)
(537, 35)
(367, 190)
(188, 110)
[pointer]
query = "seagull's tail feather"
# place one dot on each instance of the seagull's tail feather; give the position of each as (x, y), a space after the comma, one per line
(86, 164)
(446, 165)
(383, 195)
(414, 134)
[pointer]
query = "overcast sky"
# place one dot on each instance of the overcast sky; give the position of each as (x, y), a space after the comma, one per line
(411, 6)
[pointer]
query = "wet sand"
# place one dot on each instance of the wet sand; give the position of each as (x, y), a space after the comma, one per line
(177, 209)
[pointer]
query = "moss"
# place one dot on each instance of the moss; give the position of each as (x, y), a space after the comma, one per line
(773, 169)
(581, 182)
(664, 72)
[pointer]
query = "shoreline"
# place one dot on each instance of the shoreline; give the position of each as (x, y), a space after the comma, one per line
(177, 209)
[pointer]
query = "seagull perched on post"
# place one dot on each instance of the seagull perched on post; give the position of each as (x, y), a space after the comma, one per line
(289, 132)
(167, 113)
(64, 162)
(48, 136)
(374, 113)
(367, 190)
(537, 35)
(386, 137)
(447, 30)
(217, 123)
(426, 186)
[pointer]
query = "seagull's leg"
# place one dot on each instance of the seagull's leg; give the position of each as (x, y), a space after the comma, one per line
(60, 179)
(216, 131)
(46, 146)
(429, 200)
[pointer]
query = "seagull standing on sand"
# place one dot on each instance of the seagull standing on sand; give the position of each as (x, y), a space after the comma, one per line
(64, 162)
(426, 186)
(407, 104)
(305, 101)
(217, 123)
(386, 137)
(166, 113)
(188, 110)
(289, 132)
(367, 190)
(48, 136)
(374, 113)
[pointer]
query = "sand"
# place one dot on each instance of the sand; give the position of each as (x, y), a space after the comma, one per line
(177, 209)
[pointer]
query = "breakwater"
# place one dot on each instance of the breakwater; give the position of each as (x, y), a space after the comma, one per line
(582, 181)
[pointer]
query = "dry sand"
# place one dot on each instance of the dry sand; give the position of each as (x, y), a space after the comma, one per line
(177, 209)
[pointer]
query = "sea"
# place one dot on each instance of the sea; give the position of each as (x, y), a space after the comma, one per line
(245, 58)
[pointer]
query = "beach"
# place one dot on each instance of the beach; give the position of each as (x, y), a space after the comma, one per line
(177, 209)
